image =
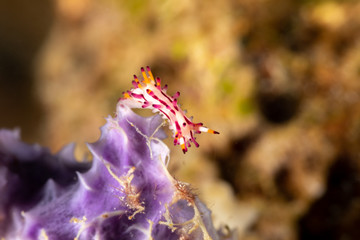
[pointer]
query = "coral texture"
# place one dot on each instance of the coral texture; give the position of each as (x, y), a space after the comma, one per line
(127, 192)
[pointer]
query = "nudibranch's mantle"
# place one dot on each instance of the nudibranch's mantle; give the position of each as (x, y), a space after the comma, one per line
(149, 94)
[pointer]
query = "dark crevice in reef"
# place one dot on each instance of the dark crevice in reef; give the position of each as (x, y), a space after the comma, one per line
(336, 215)
(24, 26)
(229, 162)
(282, 183)
(278, 108)
(278, 93)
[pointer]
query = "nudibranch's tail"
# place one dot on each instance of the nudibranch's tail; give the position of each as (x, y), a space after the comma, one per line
(208, 130)
(148, 93)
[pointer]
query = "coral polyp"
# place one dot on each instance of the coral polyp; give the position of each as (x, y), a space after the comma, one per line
(148, 93)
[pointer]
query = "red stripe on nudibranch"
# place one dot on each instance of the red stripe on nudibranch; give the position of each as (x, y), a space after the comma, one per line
(168, 98)
(177, 127)
(149, 94)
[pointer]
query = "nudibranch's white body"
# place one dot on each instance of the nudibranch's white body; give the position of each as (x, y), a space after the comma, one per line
(149, 94)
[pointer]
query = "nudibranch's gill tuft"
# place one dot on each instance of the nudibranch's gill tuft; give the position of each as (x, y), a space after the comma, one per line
(149, 94)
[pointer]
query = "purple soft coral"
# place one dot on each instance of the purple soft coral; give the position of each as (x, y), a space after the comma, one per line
(126, 194)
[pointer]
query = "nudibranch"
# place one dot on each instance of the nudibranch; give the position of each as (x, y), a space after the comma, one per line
(149, 94)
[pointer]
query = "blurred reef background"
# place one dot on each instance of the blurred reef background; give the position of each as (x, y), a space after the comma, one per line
(279, 79)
